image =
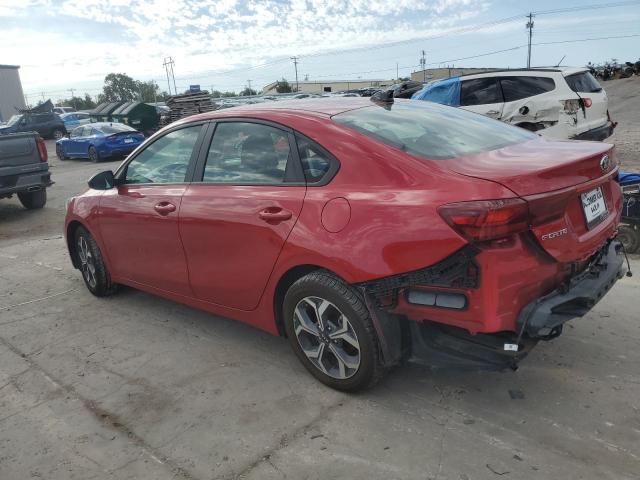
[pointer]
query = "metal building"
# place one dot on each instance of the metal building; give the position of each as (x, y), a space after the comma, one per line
(11, 94)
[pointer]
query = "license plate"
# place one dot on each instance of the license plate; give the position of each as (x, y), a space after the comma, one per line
(128, 140)
(594, 206)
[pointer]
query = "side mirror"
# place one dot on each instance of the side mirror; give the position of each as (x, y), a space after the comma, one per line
(102, 181)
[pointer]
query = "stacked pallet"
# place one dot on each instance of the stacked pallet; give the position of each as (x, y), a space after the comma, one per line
(189, 104)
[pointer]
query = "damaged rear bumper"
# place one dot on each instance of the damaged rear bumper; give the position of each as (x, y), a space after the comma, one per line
(598, 134)
(544, 317)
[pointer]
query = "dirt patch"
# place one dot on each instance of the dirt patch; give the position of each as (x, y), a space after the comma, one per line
(624, 107)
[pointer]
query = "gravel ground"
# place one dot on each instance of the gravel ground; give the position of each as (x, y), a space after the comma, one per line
(624, 107)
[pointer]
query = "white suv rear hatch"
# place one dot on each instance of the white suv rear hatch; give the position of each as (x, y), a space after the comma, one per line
(594, 98)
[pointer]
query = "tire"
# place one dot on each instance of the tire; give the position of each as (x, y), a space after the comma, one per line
(348, 331)
(57, 133)
(60, 153)
(629, 237)
(94, 271)
(93, 154)
(33, 200)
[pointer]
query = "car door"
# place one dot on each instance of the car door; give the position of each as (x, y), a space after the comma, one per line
(482, 95)
(139, 219)
(72, 148)
(236, 218)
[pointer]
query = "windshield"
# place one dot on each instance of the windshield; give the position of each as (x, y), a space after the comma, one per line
(13, 120)
(583, 82)
(116, 128)
(432, 131)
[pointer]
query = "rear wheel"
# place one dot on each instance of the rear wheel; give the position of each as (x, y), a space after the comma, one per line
(629, 237)
(93, 154)
(330, 331)
(57, 134)
(94, 271)
(33, 200)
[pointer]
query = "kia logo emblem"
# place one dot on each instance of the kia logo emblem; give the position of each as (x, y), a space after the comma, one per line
(604, 163)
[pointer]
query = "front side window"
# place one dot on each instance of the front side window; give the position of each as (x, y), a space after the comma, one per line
(432, 131)
(479, 91)
(77, 132)
(517, 88)
(244, 153)
(166, 160)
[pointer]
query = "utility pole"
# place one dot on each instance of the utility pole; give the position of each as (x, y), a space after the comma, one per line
(168, 64)
(530, 27)
(73, 98)
(249, 86)
(397, 74)
(295, 65)
(423, 64)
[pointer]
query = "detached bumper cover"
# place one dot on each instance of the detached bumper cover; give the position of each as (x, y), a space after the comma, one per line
(543, 317)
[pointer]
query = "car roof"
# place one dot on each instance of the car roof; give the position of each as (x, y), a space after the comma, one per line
(309, 107)
(565, 71)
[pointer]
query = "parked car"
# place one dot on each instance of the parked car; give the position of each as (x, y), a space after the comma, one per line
(47, 125)
(24, 170)
(364, 232)
(99, 141)
(74, 119)
(63, 110)
(566, 103)
(406, 89)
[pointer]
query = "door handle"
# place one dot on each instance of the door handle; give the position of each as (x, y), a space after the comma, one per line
(493, 112)
(275, 214)
(164, 208)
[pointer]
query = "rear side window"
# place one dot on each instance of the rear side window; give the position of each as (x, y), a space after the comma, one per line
(480, 91)
(432, 131)
(316, 162)
(517, 88)
(116, 128)
(583, 82)
(244, 153)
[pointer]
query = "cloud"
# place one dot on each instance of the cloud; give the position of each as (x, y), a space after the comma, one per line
(134, 36)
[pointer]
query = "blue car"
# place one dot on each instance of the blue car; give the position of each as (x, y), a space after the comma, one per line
(99, 141)
(74, 119)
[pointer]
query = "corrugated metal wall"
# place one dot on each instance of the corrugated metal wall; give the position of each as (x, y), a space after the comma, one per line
(11, 94)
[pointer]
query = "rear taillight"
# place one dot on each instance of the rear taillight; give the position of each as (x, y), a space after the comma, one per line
(111, 138)
(484, 220)
(586, 102)
(42, 149)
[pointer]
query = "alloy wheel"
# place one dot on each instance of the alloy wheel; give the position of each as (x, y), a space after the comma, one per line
(57, 134)
(93, 154)
(326, 337)
(87, 264)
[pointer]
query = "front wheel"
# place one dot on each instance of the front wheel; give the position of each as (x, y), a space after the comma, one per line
(93, 154)
(331, 332)
(94, 271)
(60, 152)
(33, 200)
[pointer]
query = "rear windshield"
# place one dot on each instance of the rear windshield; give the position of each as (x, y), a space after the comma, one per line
(116, 128)
(432, 131)
(583, 82)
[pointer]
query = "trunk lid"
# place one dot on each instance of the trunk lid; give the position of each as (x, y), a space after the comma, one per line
(125, 138)
(574, 202)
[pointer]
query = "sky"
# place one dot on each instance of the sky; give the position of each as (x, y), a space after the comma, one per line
(225, 44)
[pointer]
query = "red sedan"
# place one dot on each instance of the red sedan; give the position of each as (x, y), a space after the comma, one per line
(367, 232)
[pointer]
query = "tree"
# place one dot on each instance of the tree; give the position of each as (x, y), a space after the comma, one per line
(148, 91)
(282, 86)
(119, 87)
(229, 94)
(78, 103)
(248, 91)
(216, 94)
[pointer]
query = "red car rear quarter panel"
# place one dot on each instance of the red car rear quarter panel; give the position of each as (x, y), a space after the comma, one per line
(394, 226)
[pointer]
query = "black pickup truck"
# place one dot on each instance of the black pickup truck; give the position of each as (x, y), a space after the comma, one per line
(24, 168)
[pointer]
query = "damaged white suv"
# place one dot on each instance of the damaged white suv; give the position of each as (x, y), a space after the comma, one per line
(566, 103)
